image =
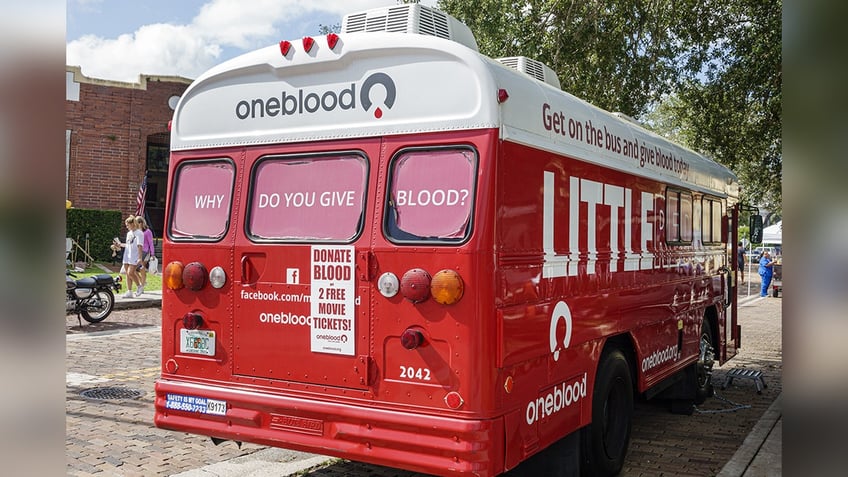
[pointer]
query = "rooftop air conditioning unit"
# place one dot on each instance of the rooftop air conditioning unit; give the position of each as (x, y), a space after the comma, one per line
(529, 66)
(410, 18)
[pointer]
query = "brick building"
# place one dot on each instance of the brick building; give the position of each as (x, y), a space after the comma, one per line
(114, 132)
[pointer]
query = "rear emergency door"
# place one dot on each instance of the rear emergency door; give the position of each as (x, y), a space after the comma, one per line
(301, 293)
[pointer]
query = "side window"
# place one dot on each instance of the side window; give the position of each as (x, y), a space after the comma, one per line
(685, 217)
(712, 215)
(202, 200)
(314, 198)
(678, 212)
(672, 214)
(431, 195)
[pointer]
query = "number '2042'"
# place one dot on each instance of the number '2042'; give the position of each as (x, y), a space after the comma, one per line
(408, 372)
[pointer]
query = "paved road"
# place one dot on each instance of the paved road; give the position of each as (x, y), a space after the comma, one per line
(116, 437)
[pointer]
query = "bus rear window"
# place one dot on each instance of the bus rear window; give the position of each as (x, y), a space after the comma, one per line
(296, 198)
(431, 194)
(202, 198)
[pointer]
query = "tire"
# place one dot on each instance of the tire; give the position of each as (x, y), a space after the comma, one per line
(98, 306)
(774, 292)
(605, 440)
(704, 365)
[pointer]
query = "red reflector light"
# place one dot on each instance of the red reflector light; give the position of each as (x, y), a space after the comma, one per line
(194, 276)
(454, 400)
(332, 39)
(308, 43)
(502, 95)
(285, 47)
(415, 285)
(411, 338)
(192, 321)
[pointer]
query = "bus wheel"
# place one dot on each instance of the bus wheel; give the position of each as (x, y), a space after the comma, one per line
(704, 366)
(605, 440)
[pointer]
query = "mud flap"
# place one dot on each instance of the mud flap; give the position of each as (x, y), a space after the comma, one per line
(680, 391)
(560, 459)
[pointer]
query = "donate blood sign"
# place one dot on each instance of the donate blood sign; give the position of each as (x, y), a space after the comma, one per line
(308, 198)
(432, 192)
(202, 199)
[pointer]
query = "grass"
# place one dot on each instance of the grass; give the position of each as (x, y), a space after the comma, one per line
(154, 282)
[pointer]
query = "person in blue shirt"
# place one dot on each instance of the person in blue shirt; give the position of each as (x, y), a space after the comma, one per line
(766, 271)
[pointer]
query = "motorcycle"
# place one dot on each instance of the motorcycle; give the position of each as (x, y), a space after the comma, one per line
(91, 298)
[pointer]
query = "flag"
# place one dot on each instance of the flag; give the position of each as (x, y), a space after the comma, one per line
(142, 194)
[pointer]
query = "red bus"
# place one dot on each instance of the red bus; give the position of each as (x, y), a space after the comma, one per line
(389, 248)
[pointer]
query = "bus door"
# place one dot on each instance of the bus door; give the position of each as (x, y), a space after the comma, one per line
(732, 330)
(300, 288)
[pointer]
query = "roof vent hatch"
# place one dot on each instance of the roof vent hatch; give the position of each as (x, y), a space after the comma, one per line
(531, 67)
(411, 18)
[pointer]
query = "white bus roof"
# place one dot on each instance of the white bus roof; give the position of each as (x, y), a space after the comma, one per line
(376, 84)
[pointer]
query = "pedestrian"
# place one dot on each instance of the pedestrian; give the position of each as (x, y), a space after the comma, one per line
(132, 255)
(740, 260)
(147, 251)
(766, 271)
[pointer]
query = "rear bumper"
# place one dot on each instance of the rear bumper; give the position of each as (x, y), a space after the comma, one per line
(412, 441)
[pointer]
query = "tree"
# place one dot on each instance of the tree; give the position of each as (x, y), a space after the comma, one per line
(713, 67)
(621, 56)
(735, 110)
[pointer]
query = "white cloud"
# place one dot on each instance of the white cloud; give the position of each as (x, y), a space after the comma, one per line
(188, 50)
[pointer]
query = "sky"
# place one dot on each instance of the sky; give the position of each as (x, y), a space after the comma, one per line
(122, 39)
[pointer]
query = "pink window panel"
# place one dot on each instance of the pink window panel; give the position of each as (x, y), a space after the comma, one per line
(432, 194)
(202, 200)
(308, 198)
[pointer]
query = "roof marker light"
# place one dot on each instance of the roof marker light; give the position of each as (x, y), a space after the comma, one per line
(285, 47)
(332, 40)
(502, 95)
(308, 43)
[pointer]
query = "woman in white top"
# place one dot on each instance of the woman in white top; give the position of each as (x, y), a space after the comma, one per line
(132, 256)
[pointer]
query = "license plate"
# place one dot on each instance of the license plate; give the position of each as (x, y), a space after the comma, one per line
(199, 404)
(197, 342)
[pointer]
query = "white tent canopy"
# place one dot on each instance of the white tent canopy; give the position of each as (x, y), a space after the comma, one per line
(773, 233)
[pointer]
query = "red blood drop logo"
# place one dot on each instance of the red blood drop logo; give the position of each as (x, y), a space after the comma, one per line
(378, 113)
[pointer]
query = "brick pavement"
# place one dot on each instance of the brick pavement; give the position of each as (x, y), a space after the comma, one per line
(118, 438)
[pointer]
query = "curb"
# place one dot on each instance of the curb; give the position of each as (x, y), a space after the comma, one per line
(750, 448)
(141, 302)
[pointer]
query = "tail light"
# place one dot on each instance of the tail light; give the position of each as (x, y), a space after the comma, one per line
(194, 276)
(172, 276)
(446, 287)
(192, 321)
(217, 277)
(411, 338)
(415, 285)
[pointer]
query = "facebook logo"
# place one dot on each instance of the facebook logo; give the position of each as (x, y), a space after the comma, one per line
(292, 276)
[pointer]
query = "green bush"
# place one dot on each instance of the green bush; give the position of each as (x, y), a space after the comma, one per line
(100, 225)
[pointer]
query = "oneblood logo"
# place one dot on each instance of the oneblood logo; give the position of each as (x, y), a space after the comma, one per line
(561, 312)
(562, 396)
(369, 83)
(291, 103)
